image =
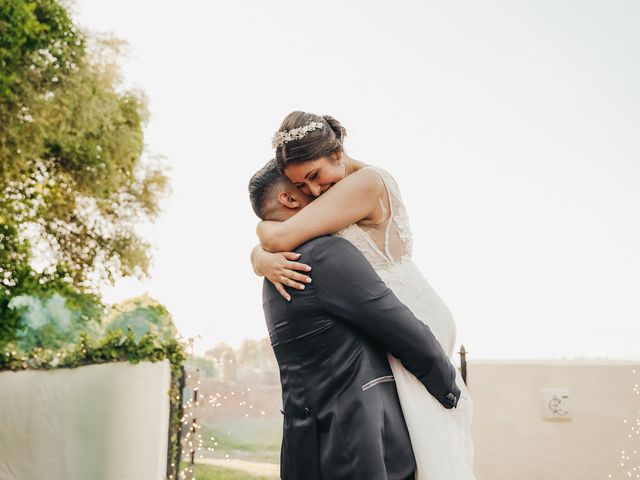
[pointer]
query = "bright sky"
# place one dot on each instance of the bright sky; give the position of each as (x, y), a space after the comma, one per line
(511, 128)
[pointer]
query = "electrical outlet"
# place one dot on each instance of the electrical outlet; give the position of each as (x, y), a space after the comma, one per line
(555, 403)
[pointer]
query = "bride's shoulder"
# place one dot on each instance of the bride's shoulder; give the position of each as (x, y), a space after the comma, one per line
(377, 174)
(367, 176)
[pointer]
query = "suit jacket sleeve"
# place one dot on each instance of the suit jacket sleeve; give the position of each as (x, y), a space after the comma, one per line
(351, 290)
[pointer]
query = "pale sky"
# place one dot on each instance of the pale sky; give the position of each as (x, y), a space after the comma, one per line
(510, 126)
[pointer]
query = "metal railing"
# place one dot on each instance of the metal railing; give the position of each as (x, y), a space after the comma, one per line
(463, 363)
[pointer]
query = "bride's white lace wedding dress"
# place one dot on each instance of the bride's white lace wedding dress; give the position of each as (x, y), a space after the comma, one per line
(441, 438)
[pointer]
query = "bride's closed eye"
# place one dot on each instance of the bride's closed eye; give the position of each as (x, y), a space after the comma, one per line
(312, 176)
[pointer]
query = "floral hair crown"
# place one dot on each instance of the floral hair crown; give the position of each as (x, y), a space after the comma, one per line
(280, 138)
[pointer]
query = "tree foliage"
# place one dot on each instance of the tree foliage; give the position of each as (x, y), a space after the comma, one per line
(74, 175)
(141, 315)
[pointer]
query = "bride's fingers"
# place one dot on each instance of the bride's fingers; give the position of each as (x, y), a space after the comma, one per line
(291, 283)
(297, 266)
(290, 274)
(291, 255)
(282, 291)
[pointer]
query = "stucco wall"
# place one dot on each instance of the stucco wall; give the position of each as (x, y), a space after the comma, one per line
(95, 422)
(513, 441)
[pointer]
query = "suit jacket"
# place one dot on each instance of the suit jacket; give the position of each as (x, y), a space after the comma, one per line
(342, 417)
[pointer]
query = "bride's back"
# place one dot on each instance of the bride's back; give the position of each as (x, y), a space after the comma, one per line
(387, 242)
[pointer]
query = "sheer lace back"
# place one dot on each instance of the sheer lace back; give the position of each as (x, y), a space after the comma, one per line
(388, 242)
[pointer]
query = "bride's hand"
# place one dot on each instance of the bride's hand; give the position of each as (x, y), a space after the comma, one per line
(280, 269)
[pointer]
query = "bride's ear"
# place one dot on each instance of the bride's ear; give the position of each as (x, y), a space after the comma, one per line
(288, 200)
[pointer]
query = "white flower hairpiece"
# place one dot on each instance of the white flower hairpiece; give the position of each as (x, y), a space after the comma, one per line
(280, 138)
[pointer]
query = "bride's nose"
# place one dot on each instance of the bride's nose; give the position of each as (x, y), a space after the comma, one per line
(315, 189)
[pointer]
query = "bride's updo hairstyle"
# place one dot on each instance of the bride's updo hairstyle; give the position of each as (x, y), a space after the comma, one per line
(320, 142)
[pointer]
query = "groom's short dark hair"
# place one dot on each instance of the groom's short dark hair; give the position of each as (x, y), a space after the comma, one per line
(262, 188)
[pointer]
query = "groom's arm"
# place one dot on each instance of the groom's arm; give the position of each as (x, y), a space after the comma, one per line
(350, 289)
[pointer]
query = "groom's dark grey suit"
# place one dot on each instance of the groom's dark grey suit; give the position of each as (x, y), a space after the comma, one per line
(342, 416)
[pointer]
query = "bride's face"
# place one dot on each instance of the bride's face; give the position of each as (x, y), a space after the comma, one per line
(316, 176)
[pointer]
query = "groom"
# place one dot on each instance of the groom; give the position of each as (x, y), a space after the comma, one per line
(342, 416)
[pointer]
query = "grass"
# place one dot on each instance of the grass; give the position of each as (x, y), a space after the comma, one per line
(210, 472)
(256, 440)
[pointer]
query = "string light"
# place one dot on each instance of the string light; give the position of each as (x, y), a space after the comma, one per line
(630, 464)
(193, 440)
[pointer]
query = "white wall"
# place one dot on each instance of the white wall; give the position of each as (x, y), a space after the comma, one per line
(107, 421)
(513, 441)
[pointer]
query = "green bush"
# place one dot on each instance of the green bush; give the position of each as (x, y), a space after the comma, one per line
(211, 472)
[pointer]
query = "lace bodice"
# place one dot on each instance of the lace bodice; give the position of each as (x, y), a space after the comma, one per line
(387, 243)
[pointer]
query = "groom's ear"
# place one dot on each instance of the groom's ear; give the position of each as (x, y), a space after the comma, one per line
(289, 200)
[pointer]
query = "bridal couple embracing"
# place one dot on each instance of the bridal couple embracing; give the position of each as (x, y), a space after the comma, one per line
(365, 346)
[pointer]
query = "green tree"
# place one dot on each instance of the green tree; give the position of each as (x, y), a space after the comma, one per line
(39, 47)
(249, 353)
(208, 368)
(74, 175)
(142, 315)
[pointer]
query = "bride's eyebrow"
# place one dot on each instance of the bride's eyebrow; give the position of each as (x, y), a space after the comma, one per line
(310, 172)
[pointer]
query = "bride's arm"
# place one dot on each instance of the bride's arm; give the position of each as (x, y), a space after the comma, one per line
(350, 200)
(255, 255)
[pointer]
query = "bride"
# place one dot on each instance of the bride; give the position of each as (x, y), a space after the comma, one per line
(362, 203)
